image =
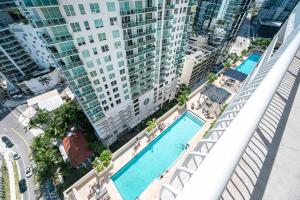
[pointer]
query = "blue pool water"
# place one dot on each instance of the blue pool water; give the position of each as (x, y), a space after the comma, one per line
(249, 64)
(156, 157)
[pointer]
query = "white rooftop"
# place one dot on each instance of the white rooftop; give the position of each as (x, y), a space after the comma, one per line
(49, 100)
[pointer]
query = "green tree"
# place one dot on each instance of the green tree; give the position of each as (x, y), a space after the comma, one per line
(182, 99)
(105, 157)
(212, 77)
(151, 124)
(46, 156)
(40, 119)
(98, 165)
(227, 65)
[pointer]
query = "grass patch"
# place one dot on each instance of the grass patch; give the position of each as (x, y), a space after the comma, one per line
(16, 175)
(4, 172)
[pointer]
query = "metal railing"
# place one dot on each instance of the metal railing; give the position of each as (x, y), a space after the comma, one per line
(206, 171)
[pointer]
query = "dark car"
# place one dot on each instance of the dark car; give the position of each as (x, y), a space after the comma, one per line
(22, 186)
(7, 141)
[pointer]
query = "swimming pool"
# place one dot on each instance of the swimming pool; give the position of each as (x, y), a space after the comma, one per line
(249, 64)
(156, 157)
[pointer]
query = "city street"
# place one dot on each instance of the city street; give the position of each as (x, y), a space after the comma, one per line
(10, 126)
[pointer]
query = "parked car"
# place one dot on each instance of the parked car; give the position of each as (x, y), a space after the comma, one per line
(28, 172)
(22, 186)
(7, 141)
(16, 155)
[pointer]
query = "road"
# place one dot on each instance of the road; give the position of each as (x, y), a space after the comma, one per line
(10, 125)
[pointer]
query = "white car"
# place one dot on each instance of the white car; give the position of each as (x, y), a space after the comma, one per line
(28, 172)
(16, 155)
(33, 165)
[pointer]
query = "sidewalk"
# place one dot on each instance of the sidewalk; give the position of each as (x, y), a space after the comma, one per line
(12, 185)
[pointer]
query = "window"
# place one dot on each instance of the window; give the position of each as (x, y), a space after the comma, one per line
(113, 83)
(101, 37)
(95, 51)
(109, 68)
(117, 44)
(94, 8)
(69, 10)
(119, 55)
(122, 71)
(93, 73)
(80, 41)
(98, 23)
(86, 24)
(121, 63)
(90, 64)
(107, 58)
(102, 96)
(111, 76)
(85, 53)
(81, 9)
(124, 85)
(75, 27)
(123, 78)
(91, 39)
(105, 48)
(126, 97)
(113, 21)
(111, 6)
(116, 33)
(96, 82)
(115, 89)
(98, 61)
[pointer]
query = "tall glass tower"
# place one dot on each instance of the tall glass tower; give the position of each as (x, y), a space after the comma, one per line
(220, 20)
(121, 58)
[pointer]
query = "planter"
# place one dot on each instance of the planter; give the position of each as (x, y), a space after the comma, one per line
(105, 170)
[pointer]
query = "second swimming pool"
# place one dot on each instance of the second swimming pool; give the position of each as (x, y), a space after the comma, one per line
(249, 64)
(154, 159)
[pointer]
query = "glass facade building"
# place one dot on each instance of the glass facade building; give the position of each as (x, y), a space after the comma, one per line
(220, 20)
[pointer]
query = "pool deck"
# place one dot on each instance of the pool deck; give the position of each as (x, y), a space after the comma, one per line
(81, 189)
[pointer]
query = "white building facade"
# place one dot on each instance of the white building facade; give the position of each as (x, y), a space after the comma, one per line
(29, 38)
(120, 58)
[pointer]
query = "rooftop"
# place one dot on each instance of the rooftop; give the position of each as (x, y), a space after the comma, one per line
(49, 100)
(76, 148)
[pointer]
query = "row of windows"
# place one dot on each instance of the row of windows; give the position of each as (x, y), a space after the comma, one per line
(98, 23)
(94, 8)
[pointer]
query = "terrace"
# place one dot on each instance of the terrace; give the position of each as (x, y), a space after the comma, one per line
(206, 102)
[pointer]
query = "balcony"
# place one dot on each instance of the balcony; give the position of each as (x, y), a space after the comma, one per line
(137, 11)
(40, 3)
(138, 23)
(50, 22)
(55, 40)
(65, 53)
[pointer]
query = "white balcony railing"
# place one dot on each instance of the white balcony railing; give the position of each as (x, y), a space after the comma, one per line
(205, 173)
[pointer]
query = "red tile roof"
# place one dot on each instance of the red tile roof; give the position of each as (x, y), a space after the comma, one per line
(77, 149)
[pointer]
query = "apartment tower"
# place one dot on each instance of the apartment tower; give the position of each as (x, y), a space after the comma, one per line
(121, 58)
(220, 20)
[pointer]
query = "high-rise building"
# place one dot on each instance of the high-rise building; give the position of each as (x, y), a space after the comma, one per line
(7, 4)
(276, 10)
(272, 15)
(220, 20)
(14, 60)
(121, 58)
(29, 38)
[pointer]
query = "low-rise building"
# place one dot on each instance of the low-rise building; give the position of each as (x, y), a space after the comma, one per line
(40, 81)
(199, 61)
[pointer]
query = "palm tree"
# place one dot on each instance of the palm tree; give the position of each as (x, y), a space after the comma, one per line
(182, 99)
(44, 80)
(98, 165)
(151, 124)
